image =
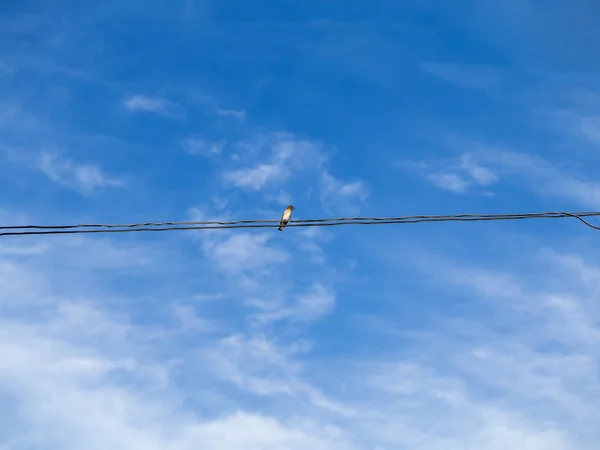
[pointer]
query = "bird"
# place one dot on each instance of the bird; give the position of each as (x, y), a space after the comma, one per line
(285, 217)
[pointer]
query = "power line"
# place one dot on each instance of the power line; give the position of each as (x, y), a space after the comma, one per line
(16, 230)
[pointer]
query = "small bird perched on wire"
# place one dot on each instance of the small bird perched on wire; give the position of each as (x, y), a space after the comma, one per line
(285, 217)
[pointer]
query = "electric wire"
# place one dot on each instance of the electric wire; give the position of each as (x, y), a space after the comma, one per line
(22, 230)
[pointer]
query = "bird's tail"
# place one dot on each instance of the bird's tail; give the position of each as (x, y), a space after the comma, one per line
(280, 228)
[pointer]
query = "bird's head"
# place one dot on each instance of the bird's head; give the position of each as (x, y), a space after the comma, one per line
(291, 207)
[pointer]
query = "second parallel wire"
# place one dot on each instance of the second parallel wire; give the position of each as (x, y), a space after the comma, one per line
(213, 225)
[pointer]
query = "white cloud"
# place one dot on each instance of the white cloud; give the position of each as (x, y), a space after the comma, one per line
(103, 345)
(341, 197)
(22, 249)
(315, 253)
(514, 367)
(460, 177)
(581, 121)
(242, 252)
(272, 159)
(107, 253)
(196, 146)
(450, 182)
(483, 165)
(257, 365)
(256, 262)
(85, 376)
(541, 176)
(255, 178)
(298, 153)
(84, 178)
(234, 113)
(304, 308)
(155, 105)
(189, 319)
(481, 175)
(312, 305)
(69, 397)
(21, 287)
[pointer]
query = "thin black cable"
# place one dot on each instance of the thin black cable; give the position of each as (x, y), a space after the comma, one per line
(428, 218)
(113, 228)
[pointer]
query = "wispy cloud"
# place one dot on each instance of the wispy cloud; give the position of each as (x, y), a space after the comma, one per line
(274, 159)
(238, 114)
(270, 160)
(245, 252)
(84, 178)
(255, 263)
(259, 366)
(255, 178)
(541, 176)
(590, 128)
(514, 326)
(198, 146)
(450, 182)
(478, 78)
(284, 150)
(580, 121)
(155, 105)
(304, 308)
(460, 177)
(339, 196)
(70, 375)
(190, 321)
(484, 164)
(478, 173)
(247, 339)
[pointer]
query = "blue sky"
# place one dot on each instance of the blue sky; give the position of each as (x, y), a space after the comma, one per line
(430, 336)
